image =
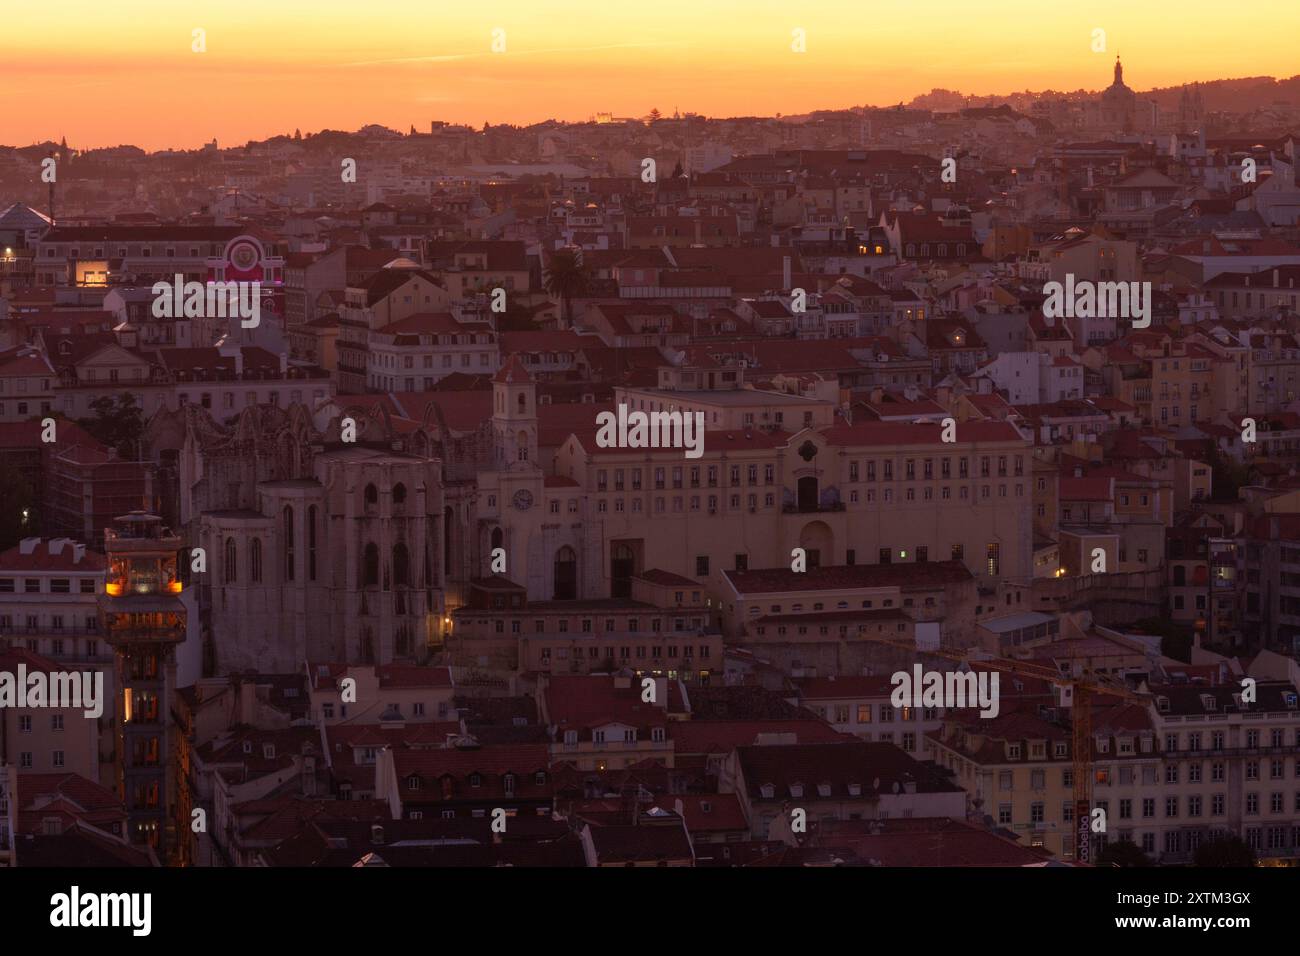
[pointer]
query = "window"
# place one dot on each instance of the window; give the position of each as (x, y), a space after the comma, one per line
(311, 543)
(288, 542)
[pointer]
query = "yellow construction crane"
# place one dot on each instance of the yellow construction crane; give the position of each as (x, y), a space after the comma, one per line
(1082, 689)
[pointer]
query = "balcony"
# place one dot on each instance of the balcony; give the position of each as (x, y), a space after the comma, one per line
(45, 630)
(793, 509)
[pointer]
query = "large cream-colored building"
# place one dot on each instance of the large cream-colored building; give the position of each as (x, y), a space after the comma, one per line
(877, 492)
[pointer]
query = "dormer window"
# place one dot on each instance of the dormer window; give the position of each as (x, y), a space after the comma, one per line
(768, 791)
(796, 790)
(1162, 704)
(571, 737)
(412, 782)
(1013, 751)
(657, 735)
(1209, 702)
(268, 751)
(1103, 745)
(855, 790)
(475, 780)
(1290, 699)
(823, 789)
(248, 746)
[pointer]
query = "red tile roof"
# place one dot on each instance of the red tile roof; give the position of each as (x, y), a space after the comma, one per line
(867, 434)
(512, 372)
(927, 575)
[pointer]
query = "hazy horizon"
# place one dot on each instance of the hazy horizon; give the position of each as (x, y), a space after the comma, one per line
(127, 75)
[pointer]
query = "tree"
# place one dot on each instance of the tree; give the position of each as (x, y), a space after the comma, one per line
(118, 422)
(654, 115)
(517, 317)
(18, 517)
(1227, 475)
(678, 172)
(1122, 853)
(566, 278)
(1224, 851)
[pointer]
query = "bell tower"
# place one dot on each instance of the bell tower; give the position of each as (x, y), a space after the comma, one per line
(514, 414)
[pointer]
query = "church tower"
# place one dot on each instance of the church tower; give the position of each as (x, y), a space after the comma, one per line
(514, 414)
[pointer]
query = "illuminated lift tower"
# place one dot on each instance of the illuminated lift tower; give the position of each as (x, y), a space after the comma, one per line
(143, 620)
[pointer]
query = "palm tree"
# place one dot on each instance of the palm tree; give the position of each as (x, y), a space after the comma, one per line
(566, 278)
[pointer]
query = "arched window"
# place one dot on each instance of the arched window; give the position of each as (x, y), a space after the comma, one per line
(370, 566)
(522, 439)
(401, 565)
(371, 498)
(566, 574)
(255, 561)
(498, 538)
(311, 543)
(288, 543)
(448, 523)
(230, 567)
(523, 403)
(399, 495)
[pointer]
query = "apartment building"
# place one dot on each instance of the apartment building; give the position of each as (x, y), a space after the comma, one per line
(402, 693)
(396, 292)
(27, 381)
(48, 594)
(1226, 764)
(605, 722)
(861, 706)
(416, 352)
(833, 782)
(39, 738)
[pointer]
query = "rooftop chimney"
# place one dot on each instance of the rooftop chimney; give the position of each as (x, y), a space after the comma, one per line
(28, 545)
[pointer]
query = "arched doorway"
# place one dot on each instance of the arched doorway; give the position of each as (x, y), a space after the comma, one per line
(818, 541)
(566, 574)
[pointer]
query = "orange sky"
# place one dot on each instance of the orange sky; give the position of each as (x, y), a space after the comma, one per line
(123, 72)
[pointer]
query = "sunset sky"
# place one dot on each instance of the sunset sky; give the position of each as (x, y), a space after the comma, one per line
(123, 72)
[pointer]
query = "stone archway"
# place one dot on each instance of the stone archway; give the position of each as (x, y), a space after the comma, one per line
(818, 541)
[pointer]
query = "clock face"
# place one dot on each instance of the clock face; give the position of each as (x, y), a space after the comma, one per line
(523, 500)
